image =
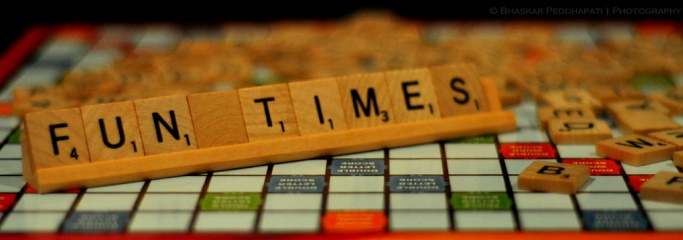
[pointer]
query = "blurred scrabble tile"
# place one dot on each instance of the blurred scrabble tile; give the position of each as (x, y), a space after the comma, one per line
(366, 101)
(112, 131)
(571, 98)
(673, 99)
(645, 123)
(674, 137)
(56, 138)
(457, 89)
(412, 95)
(268, 112)
(636, 150)
(553, 177)
(217, 118)
(664, 186)
(545, 114)
(610, 93)
(678, 159)
(165, 124)
(634, 107)
(578, 131)
(318, 106)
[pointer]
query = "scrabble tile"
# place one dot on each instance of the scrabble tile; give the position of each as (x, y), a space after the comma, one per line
(420, 221)
(318, 106)
(56, 138)
(165, 124)
(412, 95)
(112, 131)
(674, 136)
(549, 221)
(634, 107)
(545, 114)
(571, 98)
(483, 220)
(366, 100)
(611, 93)
(268, 112)
(664, 186)
(217, 118)
(553, 177)
(355, 201)
(457, 90)
(578, 131)
(636, 150)
(673, 99)
(678, 159)
(645, 123)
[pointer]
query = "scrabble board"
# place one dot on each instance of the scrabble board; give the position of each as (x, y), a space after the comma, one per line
(459, 187)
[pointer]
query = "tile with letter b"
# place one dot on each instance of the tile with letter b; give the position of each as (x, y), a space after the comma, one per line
(268, 112)
(112, 131)
(217, 118)
(365, 99)
(636, 150)
(578, 131)
(165, 124)
(458, 90)
(318, 106)
(664, 186)
(56, 138)
(553, 177)
(412, 95)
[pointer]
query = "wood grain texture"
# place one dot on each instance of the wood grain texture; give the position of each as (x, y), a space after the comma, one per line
(217, 118)
(268, 112)
(578, 131)
(365, 99)
(165, 124)
(645, 123)
(318, 106)
(664, 187)
(57, 138)
(673, 136)
(112, 131)
(636, 150)
(547, 113)
(412, 95)
(554, 177)
(458, 90)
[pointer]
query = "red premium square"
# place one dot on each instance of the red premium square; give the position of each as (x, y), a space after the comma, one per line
(6, 201)
(599, 167)
(637, 180)
(527, 150)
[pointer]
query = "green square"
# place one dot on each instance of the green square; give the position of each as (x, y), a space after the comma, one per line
(477, 139)
(481, 201)
(650, 83)
(15, 138)
(230, 202)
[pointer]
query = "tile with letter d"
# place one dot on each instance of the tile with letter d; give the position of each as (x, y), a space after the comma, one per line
(165, 124)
